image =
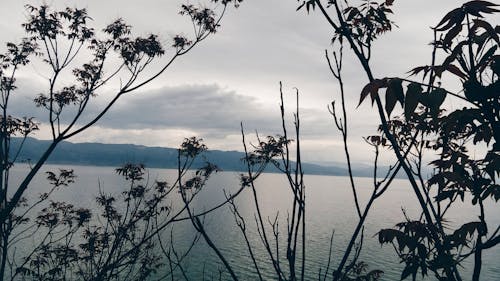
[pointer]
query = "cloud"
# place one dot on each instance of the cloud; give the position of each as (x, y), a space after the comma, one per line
(234, 75)
(165, 116)
(205, 108)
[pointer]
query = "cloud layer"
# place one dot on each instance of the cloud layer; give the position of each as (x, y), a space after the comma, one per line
(233, 76)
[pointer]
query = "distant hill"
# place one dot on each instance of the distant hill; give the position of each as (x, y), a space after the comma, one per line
(99, 154)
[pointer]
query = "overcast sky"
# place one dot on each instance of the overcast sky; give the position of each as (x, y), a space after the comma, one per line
(234, 76)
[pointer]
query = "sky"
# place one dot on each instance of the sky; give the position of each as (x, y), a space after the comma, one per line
(234, 75)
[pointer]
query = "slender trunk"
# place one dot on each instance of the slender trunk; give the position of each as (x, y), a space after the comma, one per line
(477, 259)
(27, 180)
(198, 224)
(5, 241)
(338, 273)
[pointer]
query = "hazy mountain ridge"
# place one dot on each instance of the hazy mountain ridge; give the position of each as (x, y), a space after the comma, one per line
(99, 154)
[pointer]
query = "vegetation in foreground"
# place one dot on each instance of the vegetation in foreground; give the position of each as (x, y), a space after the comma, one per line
(125, 237)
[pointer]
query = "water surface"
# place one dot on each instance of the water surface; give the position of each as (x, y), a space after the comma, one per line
(329, 208)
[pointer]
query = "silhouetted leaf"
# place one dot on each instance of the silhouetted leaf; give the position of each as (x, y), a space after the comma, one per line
(419, 69)
(410, 269)
(451, 34)
(486, 26)
(440, 262)
(434, 99)
(300, 6)
(393, 94)
(422, 252)
(493, 166)
(308, 4)
(412, 98)
(455, 70)
(364, 93)
(454, 54)
(473, 90)
(131, 171)
(483, 133)
(390, 102)
(493, 191)
(372, 89)
(448, 195)
(468, 229)
(477, 7)
(485, 59)
(388, 235)
(495, 64)
(351, 13)
(192, 147)
(455, 16)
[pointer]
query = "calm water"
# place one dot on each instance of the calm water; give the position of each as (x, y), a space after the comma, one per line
(329, 207)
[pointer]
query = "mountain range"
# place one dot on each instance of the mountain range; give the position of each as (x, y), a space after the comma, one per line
(115, 155)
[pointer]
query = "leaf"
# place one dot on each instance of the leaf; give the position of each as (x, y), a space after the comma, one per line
(486, 57)
(454, 17)
(409, 269)
(377, 84)
(473, 90)
(437, 97)
(301, 5)
(451, 34)
(413, 95)
(390, 102)
(393, 94)
(438, 70)
(397, 87)
(372, 89)
(482, 132)
(352, 13)
(419, 69)
(495, 65)
(388, 235)
(486, 26)
(477, 7)
(493, 191)
(493, 166)
(455, 53)
(364, 93)
(480, 40)
(309, 4)
(422, 251)
(469, 228)
(455, 70)
(446, 194)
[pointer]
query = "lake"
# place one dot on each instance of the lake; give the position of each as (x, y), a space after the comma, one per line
(329, 207)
